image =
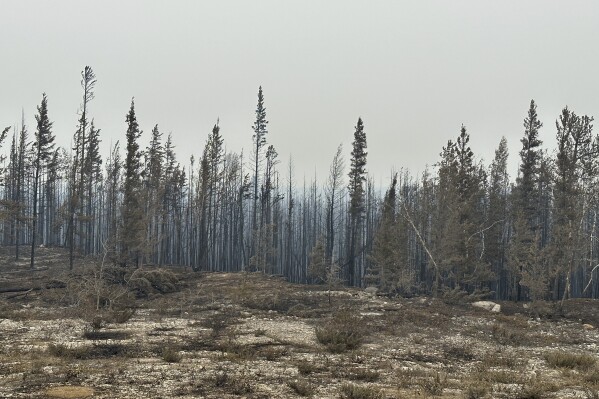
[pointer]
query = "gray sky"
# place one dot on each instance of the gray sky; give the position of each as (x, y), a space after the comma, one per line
(413, 70)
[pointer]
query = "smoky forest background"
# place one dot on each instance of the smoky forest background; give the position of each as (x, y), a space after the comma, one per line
(460, 226)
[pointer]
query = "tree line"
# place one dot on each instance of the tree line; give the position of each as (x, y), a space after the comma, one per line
(463, 225)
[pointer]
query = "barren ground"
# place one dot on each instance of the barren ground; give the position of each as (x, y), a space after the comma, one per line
(218, 335)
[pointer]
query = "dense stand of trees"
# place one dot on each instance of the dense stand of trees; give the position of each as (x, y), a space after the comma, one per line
(464, 226)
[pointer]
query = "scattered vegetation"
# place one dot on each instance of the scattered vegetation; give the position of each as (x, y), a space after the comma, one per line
(376, 347)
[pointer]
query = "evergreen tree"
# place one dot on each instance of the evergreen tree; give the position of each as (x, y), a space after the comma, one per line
(259, 141)
(471, 272)
(132, 213)
(93, 173)
(445, 233)
(153, 188)
(356, 190)
(575, 151)
(497, 218)
(317, 268)
(215, 157)
(84, 162)
(524, 254)
(386, 255)
(113, 186)
(459, 239)
(20, 184)
(43, 147)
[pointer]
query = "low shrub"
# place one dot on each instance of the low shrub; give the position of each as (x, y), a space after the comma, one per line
(94, 334)
(433, 386)
(145, 282)
(90, 352)
(568, 360)
(360, 374)
(171, 355)
(459, 352)
(301, 387)
(591, 393)
(476, 390)
(271, 353)
(306, 368)
(592, 377)
(533, 390)
(505, 335)
(341, 333)
(352, 391)
(219, 322)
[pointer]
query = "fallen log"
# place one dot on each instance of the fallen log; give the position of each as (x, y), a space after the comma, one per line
(37, 269)
(50, 285)
(18, 294)
(17, 289)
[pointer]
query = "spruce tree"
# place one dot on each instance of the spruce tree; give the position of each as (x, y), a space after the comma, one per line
(114, 167)
(259, 141)
(386, 254)
(459, 238)
(356, 190)
(497, 218)
(84, 163)
(132, 214)
(524, 251)
(20, 184)
(471, 272)
(575, 150)
(93, 172)
(215, 158)
(43, 147)
(153, 187)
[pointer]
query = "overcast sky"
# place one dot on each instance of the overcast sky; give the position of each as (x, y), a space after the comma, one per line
(413, 70)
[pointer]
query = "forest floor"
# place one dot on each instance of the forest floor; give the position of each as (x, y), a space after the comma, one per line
(223, 335)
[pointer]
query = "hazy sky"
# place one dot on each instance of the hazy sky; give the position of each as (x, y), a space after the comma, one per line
(413, 70)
